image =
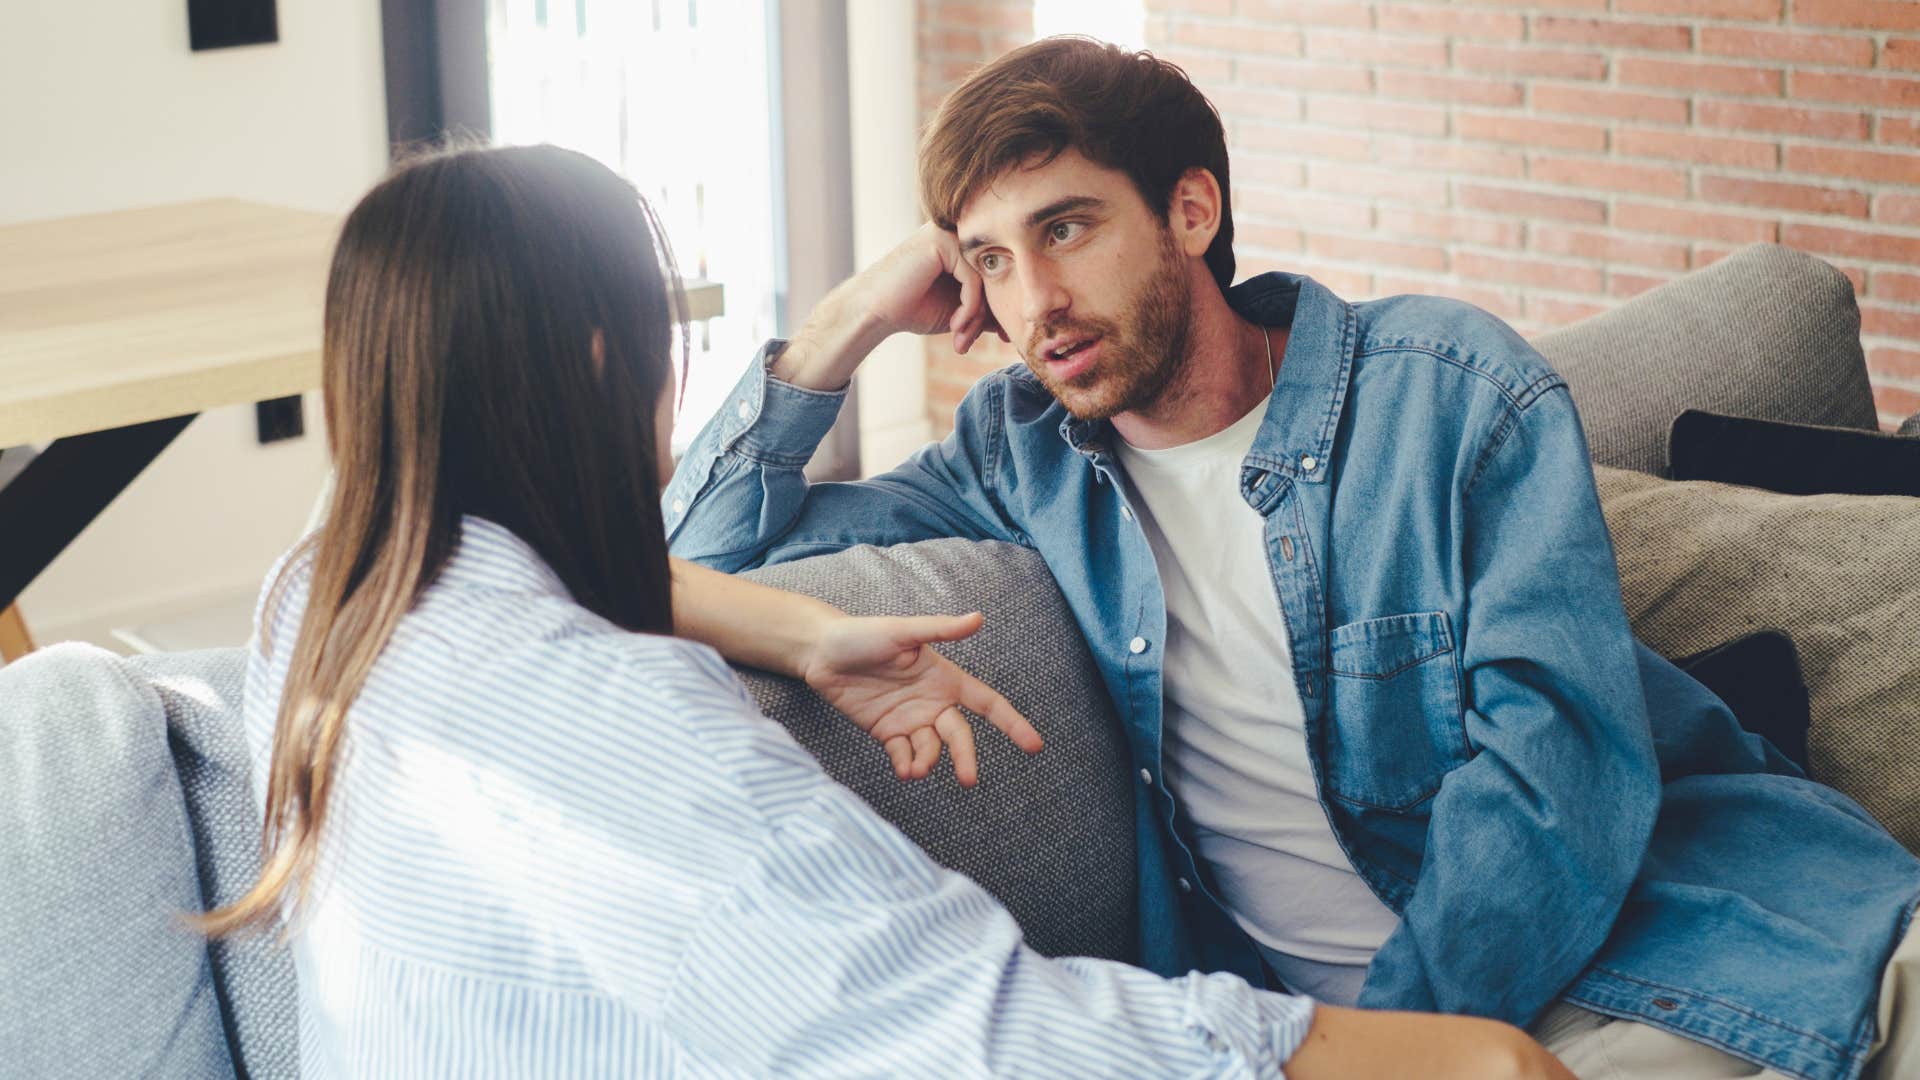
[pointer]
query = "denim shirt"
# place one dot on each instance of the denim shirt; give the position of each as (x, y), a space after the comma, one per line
(1554, 812)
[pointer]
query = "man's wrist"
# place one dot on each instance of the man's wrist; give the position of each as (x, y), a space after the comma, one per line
(830, 346)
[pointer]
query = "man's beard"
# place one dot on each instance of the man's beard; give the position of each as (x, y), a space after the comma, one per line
(1143, 352)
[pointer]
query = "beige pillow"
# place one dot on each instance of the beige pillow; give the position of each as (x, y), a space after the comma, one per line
(1703, 563)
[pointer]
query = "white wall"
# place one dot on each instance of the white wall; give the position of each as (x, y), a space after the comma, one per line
(883, 55)
(107, 108)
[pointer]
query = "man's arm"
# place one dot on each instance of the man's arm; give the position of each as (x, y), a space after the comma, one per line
(1564, 788)
(740, 499)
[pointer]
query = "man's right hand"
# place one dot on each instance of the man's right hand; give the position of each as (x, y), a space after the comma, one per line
(922, 286)
(1388, 1045)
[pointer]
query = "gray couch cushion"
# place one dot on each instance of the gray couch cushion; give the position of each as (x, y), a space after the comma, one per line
(1050, 835)
(1767, 332)
(96, 866)
(253, 974)
(1702, 563)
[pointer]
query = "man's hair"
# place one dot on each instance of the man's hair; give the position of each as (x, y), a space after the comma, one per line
(1129, 111)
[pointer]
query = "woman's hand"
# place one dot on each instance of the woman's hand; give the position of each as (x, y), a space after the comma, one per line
(1418, 1046)
(885, 676)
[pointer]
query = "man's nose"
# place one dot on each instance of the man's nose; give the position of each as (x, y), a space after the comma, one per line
(1042, 298)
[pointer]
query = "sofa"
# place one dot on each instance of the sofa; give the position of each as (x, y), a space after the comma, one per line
(124, 798)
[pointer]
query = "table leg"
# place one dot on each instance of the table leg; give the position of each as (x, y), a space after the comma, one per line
(64, 487)
(15, 642)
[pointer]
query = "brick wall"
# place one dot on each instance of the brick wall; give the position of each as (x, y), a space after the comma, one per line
(1544, 159)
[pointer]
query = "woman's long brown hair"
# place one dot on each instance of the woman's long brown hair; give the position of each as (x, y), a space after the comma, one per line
(499, 330)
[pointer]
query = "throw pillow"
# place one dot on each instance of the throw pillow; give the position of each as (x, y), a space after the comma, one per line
(1793, 459)
(1701, 563)
(1758, 677)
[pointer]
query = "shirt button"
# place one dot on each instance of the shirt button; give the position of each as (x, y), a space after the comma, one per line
(1185, 885)
(1137, 646)
(679, 506)
(1308, 462)
(745, 411)
(1146, 776)
(1126, 512)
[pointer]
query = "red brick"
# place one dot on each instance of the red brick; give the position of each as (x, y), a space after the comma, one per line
(1846, 50)
(1892, 167)
(1612, 32)
(1192, 7)
(1343, 280)
(1316, 210)
(1453, 89)
(1706, 149)
(1782, 120)
(1899, 363)
(1376, 251)
(1899, 286)
(1555, 312)
(1693, 221)
(1264, 169)
(1901, 53)
(1804, 198)
(1618, 104)
(1500, 302)
(1527, 60)
(1700, 78)
(1256, 234)
(1533, 273)
(1294, 139)
(1529, 204)
(1448, 157)
(1015, 17)
(1897, 209)
(1883, 91)
(1527, 131)
(1900, 130)
(1854, 243)
(1378, 115)
(1858, 14)
(1204, 68)
(1549, 5)
(1707, 254)
(1309, 77)
(1895, 402)
(1369, 48)
(1761, 10)
(1308, 13)
(1260, 41)
(1413, 187)
(1403, 18)
(1609, 175)
(1407, 222)
(1626, 286)
(1601, 246)
(1240, 101)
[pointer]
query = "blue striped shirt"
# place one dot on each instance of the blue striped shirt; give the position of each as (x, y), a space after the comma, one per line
(560, 849)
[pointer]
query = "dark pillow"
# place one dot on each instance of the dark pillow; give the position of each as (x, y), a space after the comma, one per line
(1758, 676)
(1792, 459)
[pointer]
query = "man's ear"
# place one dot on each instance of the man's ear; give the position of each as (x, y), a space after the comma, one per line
(1194, 210)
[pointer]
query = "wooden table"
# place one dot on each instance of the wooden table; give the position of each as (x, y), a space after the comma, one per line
(117, 329)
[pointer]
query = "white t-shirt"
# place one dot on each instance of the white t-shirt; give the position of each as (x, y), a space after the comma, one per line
(1234, 743)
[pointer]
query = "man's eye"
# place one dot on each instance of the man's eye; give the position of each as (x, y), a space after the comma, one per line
(989, 263)
(1063, 231)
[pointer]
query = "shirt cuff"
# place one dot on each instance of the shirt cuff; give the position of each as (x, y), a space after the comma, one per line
(775, 422)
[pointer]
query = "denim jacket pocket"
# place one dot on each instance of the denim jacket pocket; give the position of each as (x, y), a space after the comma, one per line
(1395, 727)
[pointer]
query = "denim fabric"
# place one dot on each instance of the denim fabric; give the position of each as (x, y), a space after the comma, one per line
(1554, 811)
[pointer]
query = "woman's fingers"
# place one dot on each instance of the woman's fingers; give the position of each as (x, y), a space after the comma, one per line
(920, 629)
(926, 751)
(958, 734)
(900, 752)
(986, 701)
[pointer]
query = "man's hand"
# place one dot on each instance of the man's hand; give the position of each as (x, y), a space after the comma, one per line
(884, 675)
(1418, 1046)
(922, 286)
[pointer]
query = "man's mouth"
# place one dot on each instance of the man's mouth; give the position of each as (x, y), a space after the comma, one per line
(1068, 359)
(1069, 349)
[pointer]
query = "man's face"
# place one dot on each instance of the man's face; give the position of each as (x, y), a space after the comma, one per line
(1086, 280)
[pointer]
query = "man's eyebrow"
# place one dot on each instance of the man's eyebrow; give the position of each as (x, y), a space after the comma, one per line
(1051, 210)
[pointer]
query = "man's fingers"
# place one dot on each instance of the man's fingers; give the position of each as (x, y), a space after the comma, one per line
(901, 754)
(959, 738)
(926, 751)
(987, 702)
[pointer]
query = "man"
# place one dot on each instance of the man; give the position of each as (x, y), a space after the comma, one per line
(1346, 577)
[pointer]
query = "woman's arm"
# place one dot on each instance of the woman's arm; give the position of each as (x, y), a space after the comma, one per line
(879, 672)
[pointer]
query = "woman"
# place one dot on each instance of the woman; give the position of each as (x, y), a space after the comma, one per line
(520, 828)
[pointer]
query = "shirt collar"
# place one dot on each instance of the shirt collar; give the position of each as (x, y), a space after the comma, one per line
(1296, 438)
(490, 556)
